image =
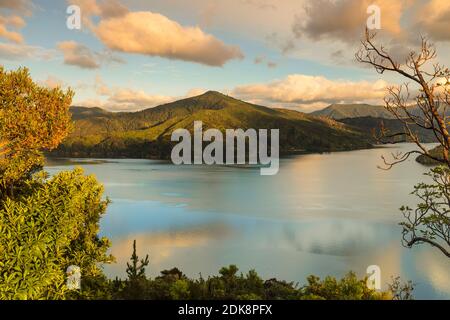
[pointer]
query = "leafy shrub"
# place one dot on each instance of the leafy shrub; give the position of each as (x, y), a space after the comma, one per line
(53, 224)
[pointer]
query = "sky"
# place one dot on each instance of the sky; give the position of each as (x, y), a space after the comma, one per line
(130, 55)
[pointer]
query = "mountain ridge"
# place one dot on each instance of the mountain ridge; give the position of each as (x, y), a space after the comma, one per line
(343, 111)
(146, 133)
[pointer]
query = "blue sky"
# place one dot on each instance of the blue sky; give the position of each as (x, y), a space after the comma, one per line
(134, 54)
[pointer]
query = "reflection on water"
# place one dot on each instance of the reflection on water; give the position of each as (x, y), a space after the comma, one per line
(322, 214)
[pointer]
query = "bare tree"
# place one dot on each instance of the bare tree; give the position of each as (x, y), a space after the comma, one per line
(430, 221)
(432, 98)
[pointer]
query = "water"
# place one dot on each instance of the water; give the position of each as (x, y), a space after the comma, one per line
(322, 214)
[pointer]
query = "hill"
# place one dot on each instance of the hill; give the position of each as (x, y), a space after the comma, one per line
(346, 111)
(369, 118)
(146, 134)
(373, 125)
(343, 111)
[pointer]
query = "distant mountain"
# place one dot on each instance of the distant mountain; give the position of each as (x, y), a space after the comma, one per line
(372, 125)
(146, 134)
(369, 118)
(79, 113)
(346, 111)
(343, 111)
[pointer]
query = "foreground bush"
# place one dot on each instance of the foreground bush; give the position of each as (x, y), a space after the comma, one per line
(231, 285)
(53, 224)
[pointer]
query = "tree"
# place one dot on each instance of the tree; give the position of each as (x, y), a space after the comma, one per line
(432, 99)
(430, 222)
(32, 119)
(135, 287)
(136, 270)
(46, 224)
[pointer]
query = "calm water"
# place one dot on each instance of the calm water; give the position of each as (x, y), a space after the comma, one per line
(322, 214)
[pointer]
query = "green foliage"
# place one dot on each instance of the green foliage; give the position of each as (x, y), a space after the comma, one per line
(229, 284)
(51, 225)
(347, 288)
(429, 222)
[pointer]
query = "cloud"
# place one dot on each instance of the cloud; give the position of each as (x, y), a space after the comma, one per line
(103, 9)
(302, 89)
(10, 35)
(123, 99)
(10, 17)
(52, 82)
(263, 60)
(130, 99)
(261, 4)
(112, 8)
(21, 6)
(345, 20)
(434, 18)
(127, 99)
(296, 91)
(12, 51)
(11, 21)
(100, 87)
(195, 92)
(153, 34)
(79, 55)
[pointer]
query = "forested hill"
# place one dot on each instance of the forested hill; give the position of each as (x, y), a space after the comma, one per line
(146, 134)
(344, 111)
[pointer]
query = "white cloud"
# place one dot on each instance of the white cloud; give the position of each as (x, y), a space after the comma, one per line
(12, 51)
(11, 22)
(262, 59)
(153, 34)
(345, 20)
(129, 99)
(297, 89)
(434, 18)
(23, 7)
(79, 55)
(52, 82)
(122, 98)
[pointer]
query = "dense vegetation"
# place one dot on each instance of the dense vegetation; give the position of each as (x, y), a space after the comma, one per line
(146, 134)
(350, 111)
(374, 126)
(230, 284)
